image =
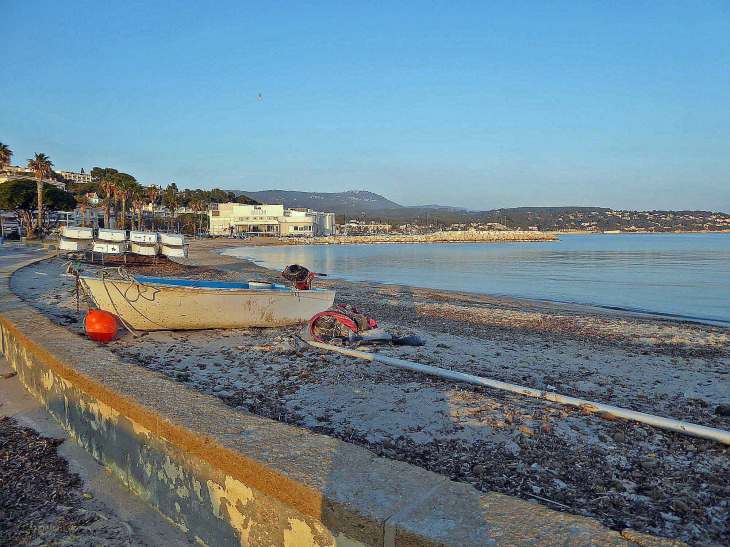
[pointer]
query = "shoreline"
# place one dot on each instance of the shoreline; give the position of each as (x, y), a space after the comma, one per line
(619, 472)
(576, 306)
(474, 236)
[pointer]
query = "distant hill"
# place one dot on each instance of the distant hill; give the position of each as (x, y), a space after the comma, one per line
(447, 208)
(349, 202)
(349, 205)
(547, 210)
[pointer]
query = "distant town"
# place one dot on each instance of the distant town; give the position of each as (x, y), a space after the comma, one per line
(105, 197)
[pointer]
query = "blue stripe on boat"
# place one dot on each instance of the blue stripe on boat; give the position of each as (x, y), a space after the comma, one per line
(207, 284)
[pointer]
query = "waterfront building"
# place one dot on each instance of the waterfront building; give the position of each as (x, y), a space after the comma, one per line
(362, 227)
(272, 220)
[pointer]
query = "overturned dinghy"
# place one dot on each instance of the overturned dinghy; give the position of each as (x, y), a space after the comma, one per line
(173, 246)
(148, 304)
(144, 243)
(110, 242)
(114, 236)
(74, 239)
(109, 248)
(77, 232)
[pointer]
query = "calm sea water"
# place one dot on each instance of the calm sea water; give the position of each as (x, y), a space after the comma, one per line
(682, 275)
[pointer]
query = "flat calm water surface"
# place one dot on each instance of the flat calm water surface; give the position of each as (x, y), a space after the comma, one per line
(681, 275)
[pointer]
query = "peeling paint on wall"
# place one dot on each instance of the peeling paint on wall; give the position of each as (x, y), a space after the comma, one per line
(230, 502)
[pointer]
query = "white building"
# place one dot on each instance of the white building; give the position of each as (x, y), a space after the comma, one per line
(361, 227)
(14, 172)
(79, 178)
(271, 220)
(93, 198)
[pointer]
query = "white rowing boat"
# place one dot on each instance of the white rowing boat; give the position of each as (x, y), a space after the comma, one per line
(173, 246)
(143, 249)
(77, 232)
(109, 248)
(75, 239)
(148, 304)
(147, 238)
(115, 236)
(73, 245)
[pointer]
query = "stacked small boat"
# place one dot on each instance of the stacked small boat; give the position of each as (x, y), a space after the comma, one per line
(110, 242)
(116, 242)
(76, 239)
(173, 246)
(144, 243)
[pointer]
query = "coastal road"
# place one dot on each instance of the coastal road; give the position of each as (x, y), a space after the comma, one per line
(15, 253)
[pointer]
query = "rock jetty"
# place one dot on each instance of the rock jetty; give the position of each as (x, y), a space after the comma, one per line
(471, 236)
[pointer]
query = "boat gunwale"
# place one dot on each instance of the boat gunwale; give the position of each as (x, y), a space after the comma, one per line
(280, 289)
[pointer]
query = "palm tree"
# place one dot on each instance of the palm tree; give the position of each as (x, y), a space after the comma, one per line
(83, 203)
(153, 193)
(140, 200)
(125, 190)
(197, 205)
(110, 186)
(5, 155)
(169, 199)
(42, 166)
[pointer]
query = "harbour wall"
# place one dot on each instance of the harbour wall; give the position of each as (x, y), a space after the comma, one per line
(226, 477)
(471, 236)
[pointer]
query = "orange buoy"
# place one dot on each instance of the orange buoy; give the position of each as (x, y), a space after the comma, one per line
(100, 326)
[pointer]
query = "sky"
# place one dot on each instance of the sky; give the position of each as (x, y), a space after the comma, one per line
(475, 104)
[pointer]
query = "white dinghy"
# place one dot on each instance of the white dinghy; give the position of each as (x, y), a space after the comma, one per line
(173, 246)
(77, 232)
(116, 236)
(75, 239)
(109, 248)
(144, 243)
(110, 242)
(149, 304)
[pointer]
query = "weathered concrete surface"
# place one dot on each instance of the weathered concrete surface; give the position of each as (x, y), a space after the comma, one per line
(457, 514)
(230, 478)
(110, 498)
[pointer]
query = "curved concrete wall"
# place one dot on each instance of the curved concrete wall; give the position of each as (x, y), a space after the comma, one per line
(230, 478)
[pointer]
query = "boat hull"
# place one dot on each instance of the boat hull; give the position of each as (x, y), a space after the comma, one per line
(65, 244)
(174, 240)
(144, 237)
(108, 248)
(114, 236)
(144, 249)
(173, 252)
(150, 307)
(77, 233)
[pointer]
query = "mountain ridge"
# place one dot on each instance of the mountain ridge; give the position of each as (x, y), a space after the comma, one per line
(349, 202)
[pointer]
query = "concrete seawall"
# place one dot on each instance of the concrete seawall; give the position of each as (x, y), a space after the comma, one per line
(437, 237)
(226, 477)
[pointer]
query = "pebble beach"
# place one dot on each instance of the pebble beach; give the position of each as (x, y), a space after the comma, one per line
(625, 474)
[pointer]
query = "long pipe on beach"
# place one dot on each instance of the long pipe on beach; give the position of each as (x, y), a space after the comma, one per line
(657, 421)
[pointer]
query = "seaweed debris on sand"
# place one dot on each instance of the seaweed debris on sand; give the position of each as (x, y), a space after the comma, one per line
(622, 473)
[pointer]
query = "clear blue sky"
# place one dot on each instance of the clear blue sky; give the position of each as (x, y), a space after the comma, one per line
(476, 104)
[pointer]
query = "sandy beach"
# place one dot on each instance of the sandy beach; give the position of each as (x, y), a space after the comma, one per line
(622, 473)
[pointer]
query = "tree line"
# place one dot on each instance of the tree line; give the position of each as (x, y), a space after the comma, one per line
(120, 192)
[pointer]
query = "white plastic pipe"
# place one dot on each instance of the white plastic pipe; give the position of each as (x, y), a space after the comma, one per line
(657, 421)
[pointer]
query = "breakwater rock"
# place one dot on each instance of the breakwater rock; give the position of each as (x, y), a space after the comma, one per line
(471, 236)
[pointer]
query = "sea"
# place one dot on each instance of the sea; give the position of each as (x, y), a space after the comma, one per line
(684, 276)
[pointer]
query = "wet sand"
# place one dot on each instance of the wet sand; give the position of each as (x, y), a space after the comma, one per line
(622, 473)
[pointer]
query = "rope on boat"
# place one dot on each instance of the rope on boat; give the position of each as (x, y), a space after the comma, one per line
(105, 274)
(670, 424)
